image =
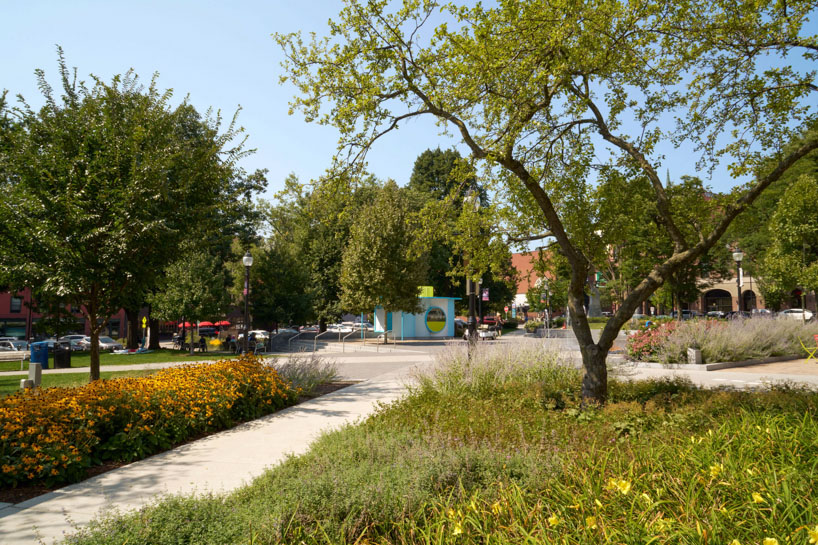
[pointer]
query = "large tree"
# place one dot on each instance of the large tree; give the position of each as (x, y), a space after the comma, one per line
(102, 185)
(377, 269)
(539, 90)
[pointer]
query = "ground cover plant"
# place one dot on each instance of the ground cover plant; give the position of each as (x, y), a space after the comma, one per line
(719, 340)
(53, 435)
(499, 450)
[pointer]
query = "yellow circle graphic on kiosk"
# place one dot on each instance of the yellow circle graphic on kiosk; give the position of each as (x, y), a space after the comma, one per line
(435, 320)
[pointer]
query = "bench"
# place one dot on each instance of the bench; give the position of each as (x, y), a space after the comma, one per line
(15, 355)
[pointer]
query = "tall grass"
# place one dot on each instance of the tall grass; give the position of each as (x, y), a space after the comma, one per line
(735, 340)
(499, 450)
(306, 371)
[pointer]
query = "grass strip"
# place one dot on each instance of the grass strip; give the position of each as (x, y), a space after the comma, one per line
(83, 359)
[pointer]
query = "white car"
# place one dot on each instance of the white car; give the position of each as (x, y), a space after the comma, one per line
(796, 314)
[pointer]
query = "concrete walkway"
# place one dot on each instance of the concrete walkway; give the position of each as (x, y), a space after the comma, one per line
(221, 462)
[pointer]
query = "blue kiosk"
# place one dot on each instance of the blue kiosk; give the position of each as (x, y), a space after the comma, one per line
(436, 320)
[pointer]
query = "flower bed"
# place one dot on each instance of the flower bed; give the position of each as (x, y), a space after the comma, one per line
(54, 435)
(734, 340)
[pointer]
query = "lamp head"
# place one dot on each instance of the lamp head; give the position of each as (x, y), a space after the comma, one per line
(738, 255)
(247, 259)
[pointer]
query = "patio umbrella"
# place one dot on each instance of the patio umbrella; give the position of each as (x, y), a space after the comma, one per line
(223, 323)
(205, 324)
(186, 324)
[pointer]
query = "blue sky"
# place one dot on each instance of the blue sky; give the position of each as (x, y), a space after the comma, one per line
(222, 55)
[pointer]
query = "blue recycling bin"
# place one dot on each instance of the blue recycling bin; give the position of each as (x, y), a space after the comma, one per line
(39, 353)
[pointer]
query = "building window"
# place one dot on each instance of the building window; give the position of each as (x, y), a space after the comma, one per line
(16, 304)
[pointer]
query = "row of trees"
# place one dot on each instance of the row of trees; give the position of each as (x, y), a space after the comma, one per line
(348, 244)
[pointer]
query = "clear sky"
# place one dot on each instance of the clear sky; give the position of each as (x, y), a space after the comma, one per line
(221, 53)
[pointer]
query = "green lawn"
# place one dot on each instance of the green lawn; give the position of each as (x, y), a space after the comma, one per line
(83, 359)
(11, 384)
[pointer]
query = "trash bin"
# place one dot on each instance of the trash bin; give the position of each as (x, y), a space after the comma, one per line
(39, 354)
(62, 356)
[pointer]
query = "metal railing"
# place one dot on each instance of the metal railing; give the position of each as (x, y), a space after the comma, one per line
(291, 339)
(315, 340)
(343, 341)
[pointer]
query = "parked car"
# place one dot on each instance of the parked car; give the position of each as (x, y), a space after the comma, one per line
(357, 326)
(796, 314)
(13, 345)
(105, 343)
(715, 314)
(309, 329)
(735, 314)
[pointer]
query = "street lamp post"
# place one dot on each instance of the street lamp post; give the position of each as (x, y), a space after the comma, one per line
(738, 255)
(471, 286)
(248, 261)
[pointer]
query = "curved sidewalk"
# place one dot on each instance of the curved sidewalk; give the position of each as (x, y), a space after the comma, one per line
(220, 462)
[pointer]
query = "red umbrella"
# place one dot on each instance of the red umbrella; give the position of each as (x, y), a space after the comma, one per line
(186, 324)
(206, 324)
(223, 323)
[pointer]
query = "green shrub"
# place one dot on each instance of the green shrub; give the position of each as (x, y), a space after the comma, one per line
(532, 325)
(511, 324)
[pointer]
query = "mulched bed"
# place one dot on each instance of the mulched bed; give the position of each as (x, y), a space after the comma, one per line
(23, 493)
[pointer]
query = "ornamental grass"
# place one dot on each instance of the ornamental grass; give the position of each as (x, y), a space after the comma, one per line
(719, 340)
(54, 435)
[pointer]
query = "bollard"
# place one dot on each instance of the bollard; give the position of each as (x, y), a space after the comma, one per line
(35, 373)
(26, 383)
(694, 355)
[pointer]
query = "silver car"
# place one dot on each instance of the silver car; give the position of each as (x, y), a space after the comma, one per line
(105, 343)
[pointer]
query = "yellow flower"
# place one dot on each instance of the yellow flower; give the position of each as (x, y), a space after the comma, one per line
(758, 498)
(590, 522)
(770, 541)
(715, 470)
(496, 508)
(553, 520)
(457, 529)
(619, 484)
(598, 503)
(735, 542)
(813, 534)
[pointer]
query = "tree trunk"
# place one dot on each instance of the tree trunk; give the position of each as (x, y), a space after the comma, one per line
(595, 380)
(153, 324)
(95, 329)
(132, 340)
